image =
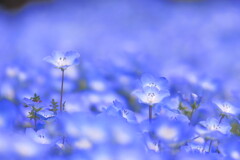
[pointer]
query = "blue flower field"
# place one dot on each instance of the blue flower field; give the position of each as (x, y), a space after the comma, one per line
(120, 80)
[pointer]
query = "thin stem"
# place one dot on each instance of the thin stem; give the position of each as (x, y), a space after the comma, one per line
(191, 114)
(61, 94)
(210, 145)
(194, 138)
(221, 119)
(204, 145)
(35, 121)
(150, 113)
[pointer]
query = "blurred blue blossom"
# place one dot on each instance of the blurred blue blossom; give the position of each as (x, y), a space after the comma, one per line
(170, 132)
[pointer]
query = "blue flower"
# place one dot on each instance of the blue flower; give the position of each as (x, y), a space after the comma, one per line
(152, 90)
(174, 115)
(195, 148)
(63, 60)
(212, 128)
(124, 112)
(39, 136)
(150, 95)
(227, 109)
(160, 83)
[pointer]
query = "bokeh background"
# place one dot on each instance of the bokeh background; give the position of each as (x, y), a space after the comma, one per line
(195, 44)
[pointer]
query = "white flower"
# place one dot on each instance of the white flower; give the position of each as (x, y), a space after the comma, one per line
(63, 60)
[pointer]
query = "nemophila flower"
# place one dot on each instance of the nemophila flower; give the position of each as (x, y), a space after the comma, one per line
(196, 144)
(174, 115)
(150, 95)
(211, 128)
(63, 60)
(152, 145)
(150, 81)
(45, 114)
(195, 148)
(123, 111)
(152, 90)
(227, 108)
(39, 136)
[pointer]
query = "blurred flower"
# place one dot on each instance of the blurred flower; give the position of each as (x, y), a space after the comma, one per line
(170, 132)
(63, 60)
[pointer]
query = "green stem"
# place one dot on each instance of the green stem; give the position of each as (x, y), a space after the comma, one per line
(61, 94)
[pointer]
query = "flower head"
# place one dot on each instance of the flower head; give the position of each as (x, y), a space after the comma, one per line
(213, 129)
(150, 95)
(63, 60)
(227, 108)
(152, 90)
(150, 81)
